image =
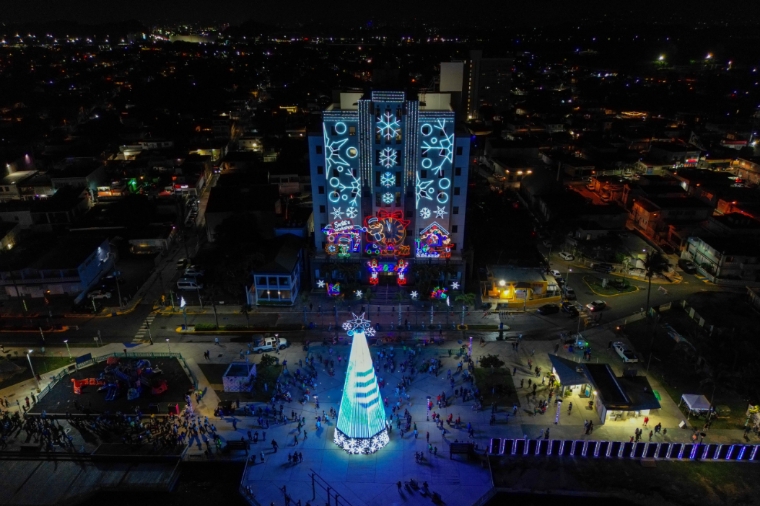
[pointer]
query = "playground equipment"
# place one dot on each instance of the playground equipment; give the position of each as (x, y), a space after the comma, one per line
(161, 387)
(137, 377)
(78, 384)
(134, 393)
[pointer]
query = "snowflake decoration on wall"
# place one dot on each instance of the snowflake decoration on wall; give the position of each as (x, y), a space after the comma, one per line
(440, 212)
(424, 213)
(455, 285)
(351, 213)
(388, 158)
(388, 179)
(332, 151)
(320, 283)
(414, 295)
(388, 126)
(358, 294)
(337, 213)
(423, 189)
(388, 198)
(444, 144)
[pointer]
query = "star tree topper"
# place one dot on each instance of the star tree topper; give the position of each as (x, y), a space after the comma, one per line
(358, 323)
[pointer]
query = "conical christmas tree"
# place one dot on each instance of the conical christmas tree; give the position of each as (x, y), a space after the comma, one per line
(361, 421)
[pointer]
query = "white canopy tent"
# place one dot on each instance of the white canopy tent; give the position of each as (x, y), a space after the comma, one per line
(696, 403)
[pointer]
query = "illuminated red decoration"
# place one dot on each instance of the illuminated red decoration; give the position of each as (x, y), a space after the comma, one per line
(374, 269)
(401, 267)
(386, 233)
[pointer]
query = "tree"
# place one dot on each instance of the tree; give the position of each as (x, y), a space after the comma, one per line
(491, 361)
(467, 299)
(654, 263)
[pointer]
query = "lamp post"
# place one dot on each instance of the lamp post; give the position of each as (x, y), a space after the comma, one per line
(32, 368)
(168, 345)
(66, 342)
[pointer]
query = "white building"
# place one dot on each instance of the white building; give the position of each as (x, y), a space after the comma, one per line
(389, 184)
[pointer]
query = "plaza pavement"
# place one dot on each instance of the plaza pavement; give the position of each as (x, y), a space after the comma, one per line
(371, 480)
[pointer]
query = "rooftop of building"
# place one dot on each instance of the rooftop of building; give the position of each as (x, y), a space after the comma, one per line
(282, 256)
(510, 273)
(234, 199)
(39, 179)
(675, 203)
(674, 147)
(78, 170)
(64, 199)
(741, 246)
(69, 252)
(704, 176)
(17, 177)
(736, 221)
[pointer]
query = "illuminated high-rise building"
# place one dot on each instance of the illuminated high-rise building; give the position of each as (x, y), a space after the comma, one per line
(361, 419)
(389, 184)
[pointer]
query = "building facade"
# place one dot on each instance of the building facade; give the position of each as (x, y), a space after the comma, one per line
(389, 185)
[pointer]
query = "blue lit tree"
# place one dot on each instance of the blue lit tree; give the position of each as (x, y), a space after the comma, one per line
(361, 420)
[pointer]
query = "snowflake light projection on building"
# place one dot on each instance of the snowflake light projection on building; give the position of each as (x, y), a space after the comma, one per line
(423, 190)
(351, 213)
(388, 198)
(443, 143)
(361, 419)
(440, 212)
(388, 179)
(388, 158)
(337, 213)
(424, 213)
(388, 126)
(342, 178)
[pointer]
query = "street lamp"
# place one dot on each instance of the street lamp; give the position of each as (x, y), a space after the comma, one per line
(66, 342)
(168, 345)
(32, 368)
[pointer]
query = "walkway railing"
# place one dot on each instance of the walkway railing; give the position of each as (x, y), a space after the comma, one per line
(625, 450)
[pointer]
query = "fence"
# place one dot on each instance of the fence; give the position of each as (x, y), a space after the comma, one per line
(622, 450)
(96, 360)
(246, 491)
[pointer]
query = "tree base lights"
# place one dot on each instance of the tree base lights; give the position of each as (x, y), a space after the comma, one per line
(361, 445)
(361, 419)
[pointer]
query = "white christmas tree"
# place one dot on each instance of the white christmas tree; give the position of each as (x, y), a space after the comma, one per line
(361, 421)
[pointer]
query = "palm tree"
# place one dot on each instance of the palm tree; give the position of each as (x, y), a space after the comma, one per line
(467, 299)
(654, 263)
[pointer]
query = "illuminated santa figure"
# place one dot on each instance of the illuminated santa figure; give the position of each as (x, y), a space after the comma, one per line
(361, 420)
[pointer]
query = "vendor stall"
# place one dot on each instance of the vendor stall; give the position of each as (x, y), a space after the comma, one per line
(697, 404)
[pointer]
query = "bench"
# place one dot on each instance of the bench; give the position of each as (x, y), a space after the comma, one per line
(460, 448)
(237, 445)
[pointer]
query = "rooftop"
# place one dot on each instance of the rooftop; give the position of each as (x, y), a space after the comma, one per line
(736, 221)
(285, 253)
(17, 177)
(730, 245)
(511, 273)
(69, 252)
(678, 203)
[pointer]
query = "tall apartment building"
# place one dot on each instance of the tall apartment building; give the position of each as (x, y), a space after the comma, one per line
(389, 184)
(488, 83)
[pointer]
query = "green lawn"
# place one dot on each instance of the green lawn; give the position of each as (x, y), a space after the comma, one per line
(615, 286)
(41, 365)
(671, 366)
(496, 386)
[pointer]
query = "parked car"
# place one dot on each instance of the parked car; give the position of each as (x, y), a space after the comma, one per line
(194, 272)
(99, 294)
(624, 353)
(182, 262)
(569, 293)
(269, 344)
(602, 267)
(570, 308)
(564, 255)
(596, 305)
(547, 309)
(687, 266)
(557, 275)
(189, 284)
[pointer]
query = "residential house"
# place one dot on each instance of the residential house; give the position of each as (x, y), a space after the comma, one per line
(278, 282)
(652, 215)
(518, 286)
(724, 260)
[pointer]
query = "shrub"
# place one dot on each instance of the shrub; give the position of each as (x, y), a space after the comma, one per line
(205, 326)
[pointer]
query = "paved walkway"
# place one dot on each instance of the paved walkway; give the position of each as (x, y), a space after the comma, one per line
(371, 479)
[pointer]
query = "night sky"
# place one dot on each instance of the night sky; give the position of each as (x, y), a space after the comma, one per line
(534, 12)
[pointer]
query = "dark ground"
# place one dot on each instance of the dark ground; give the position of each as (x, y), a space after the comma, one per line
(61, 398)
(201, 483)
